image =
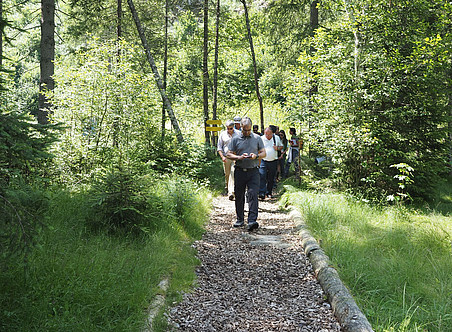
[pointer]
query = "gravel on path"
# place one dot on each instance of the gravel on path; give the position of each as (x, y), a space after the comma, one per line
(253, 281)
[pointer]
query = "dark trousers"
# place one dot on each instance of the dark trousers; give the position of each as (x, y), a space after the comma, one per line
(267, 172)
(295, 154)
(243, 180)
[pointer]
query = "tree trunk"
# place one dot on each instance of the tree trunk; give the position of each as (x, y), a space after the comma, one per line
(165, 66)
(1, 34)
(119, 27)
(205, 72)
(450, 133)
(215, 70)
(313, 89)
(356, 34)
(47, 57)
(256, 80)
(158, 80)
(116, 120)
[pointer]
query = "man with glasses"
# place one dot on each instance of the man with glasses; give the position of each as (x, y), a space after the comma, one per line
(246, 149)
(228, 165)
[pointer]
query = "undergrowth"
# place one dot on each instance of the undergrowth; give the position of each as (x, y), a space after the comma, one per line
(83, 279)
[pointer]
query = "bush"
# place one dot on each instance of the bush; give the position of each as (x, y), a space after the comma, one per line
(117, 201)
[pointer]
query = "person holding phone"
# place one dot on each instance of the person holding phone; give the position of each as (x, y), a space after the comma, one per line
(246, 150)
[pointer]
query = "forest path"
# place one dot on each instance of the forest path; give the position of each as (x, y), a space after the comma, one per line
(253, 281)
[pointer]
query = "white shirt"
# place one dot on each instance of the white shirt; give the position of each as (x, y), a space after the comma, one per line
(272, 154)
(224, 139)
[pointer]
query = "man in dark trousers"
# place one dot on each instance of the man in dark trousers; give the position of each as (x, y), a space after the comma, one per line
(246, 149)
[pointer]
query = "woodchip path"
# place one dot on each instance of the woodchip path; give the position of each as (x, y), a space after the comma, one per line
(258, 281)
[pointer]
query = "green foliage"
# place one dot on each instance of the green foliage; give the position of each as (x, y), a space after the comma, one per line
(24, 145)
(22, 207)
(108, 106)
(117, 201)
(387, 104)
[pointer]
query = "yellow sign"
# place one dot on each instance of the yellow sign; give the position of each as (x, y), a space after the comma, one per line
(213, 128)
(217, 122)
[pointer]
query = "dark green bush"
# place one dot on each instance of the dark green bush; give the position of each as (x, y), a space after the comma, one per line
(117, 201)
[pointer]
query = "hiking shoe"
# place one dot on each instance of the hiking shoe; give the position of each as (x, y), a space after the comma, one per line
(261, 197)
(238, 223)
(231, 197)
(253, 225)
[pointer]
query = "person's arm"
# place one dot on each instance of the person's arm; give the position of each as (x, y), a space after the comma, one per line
(222, 156)
(231, 155)
(262, 153)
(279, 145)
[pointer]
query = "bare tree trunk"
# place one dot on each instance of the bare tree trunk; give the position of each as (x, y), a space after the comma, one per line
(205, 72)
(450, 133)
(313, 89)
(356, 34)
(256, 80)
(47, 57)
(116, 120)
(215, 70)
(119, 27)
(165, 66)
(1, 34)
(156, 72)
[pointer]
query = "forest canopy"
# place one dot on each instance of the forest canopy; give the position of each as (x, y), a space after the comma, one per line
(367, 83)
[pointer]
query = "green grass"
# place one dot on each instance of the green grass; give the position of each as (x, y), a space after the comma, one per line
(79, 280)
(397, 262)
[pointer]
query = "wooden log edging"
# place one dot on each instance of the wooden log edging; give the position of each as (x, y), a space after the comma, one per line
(344, 306)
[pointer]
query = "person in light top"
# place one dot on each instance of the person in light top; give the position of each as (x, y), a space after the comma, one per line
(224, 139)
(269, 164)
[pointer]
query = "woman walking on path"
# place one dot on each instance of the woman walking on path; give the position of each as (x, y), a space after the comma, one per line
(282, 154)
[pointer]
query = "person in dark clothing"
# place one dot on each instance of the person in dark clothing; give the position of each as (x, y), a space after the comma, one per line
(246, 149)
(282, 154)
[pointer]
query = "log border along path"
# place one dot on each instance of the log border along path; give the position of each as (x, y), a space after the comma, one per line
(263, 280)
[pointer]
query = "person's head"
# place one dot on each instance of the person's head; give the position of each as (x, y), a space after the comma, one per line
(272, 128)
(237, 121)
(246, 126)
(277, 130)
(256, 129)
(282, 134)
(268, 132)
(229, 126)
(292, 131)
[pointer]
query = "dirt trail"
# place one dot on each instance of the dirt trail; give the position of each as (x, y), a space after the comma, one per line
(258, 281)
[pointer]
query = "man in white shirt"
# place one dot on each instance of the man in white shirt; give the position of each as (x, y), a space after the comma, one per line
(228, 165)
(267, 169)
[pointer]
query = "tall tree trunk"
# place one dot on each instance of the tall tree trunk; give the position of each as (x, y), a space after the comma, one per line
(1, 34)
(116, 120)
(47, 57)
(165, 66)
(450, 133)
(158, 80)
(205, 72)
(119, 27)
(215, 69)
(356, 34)
(313, 89)
(256, 80)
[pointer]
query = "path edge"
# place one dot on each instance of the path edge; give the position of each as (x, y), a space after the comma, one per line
(344, 306)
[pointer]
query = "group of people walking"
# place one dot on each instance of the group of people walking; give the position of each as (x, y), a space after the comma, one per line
(253, 162)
